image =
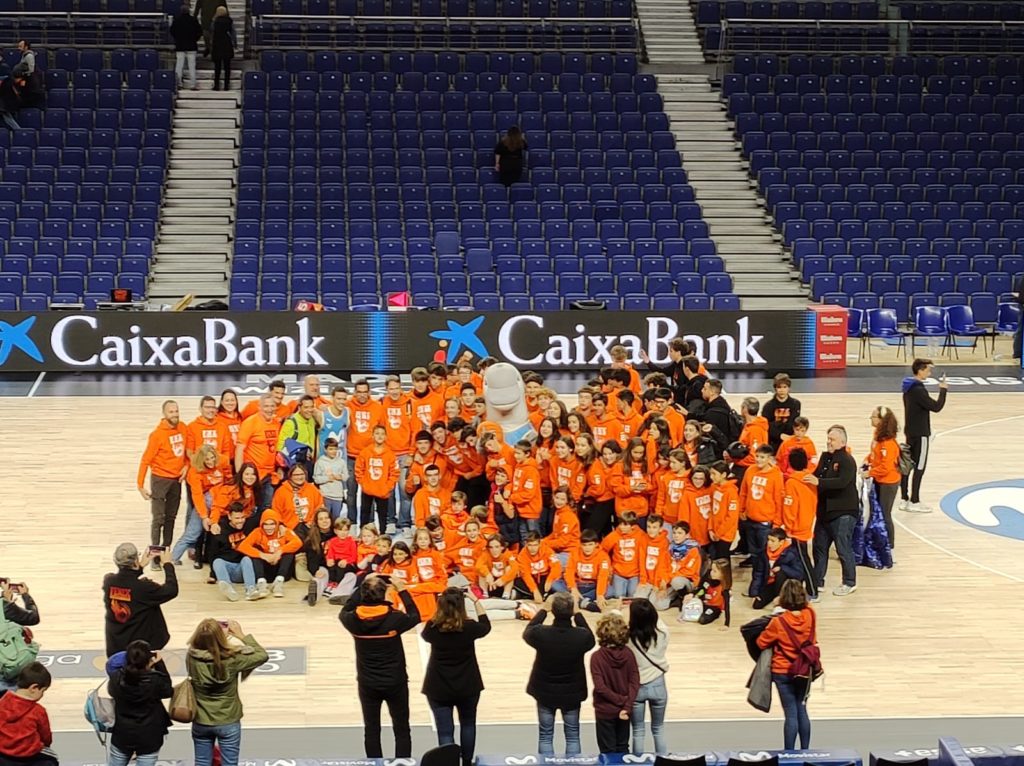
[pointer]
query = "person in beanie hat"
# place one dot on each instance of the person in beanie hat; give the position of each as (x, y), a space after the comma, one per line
(132, 602)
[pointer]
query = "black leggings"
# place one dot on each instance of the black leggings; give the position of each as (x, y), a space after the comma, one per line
(221, 65)
(886, 499)
(282, 568)
(770, 591)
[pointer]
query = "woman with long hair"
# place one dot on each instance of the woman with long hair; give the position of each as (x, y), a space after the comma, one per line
(140, 719)
(219, 656)
(576, 424)
(228, 413)
(222, 46)
(203, 475)
(566, 469)
(632, 483)
(656, 434)
(543, 449)
(241, 490)
(648, 640)
(510, 155)
(314, 545)
(452, 679)
(560, 413)
(883, 464)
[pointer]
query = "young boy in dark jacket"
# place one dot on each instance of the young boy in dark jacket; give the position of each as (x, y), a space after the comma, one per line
(24, 725)
(616, 684)
(780, 561)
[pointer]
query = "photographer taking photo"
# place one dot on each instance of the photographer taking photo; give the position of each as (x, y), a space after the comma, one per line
(132, 602)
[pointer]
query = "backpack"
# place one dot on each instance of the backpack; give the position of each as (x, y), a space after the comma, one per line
(906, 462)
(99, 712)
(735, 425)
(808, 656)
(15, 651)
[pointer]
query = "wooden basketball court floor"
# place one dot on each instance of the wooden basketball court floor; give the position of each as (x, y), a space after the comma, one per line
(938, 635)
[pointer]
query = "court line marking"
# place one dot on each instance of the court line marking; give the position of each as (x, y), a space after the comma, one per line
(35, 386)
(942, 548)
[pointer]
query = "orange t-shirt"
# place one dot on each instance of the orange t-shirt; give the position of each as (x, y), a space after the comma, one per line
(258, 438)
(625, 551)
(165, 452)
(725, 511)
(761, 495)
(282, 410)
(297, 506)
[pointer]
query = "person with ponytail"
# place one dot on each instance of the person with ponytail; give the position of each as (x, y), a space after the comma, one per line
(140, 718)
(882, 464)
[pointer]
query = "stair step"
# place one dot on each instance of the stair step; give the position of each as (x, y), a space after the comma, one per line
(175, 249)
(209, 183)
(771, 304)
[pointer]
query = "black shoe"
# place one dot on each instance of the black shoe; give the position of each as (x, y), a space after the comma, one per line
(747, 563)
(197, 564)
(311, 592)
(338, 600)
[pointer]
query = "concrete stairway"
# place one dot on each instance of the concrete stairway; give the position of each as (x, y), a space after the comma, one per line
(193, 249)
(762, 273)
(669, 32)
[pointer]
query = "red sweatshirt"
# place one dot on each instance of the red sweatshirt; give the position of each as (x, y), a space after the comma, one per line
(24, 727)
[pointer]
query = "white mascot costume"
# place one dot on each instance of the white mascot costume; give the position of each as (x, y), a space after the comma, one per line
(505, 394)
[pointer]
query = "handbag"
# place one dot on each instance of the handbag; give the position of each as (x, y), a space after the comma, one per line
(808, 656)
(905, 464)
(647, 657)
(182, 707)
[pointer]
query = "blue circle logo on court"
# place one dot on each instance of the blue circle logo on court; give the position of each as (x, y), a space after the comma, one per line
(996, 507)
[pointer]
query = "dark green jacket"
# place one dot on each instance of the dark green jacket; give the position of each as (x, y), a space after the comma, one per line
(217, 700)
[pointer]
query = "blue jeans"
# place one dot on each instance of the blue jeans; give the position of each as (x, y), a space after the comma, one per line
(265, 494)
(793, 695)
(227, 571)
(840, 532)
(398, 499)
(334, 507)
(444, 718)
(228, 736)
(656, 693)
(118, 758)
(546, 734)
(756, 535)
(350, 493)
(193, 531)
(623, 587)
(525, 526)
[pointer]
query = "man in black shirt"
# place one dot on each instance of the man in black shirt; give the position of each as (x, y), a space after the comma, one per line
(132, 602)
(838, 511)
(381, 675)
(781, 411)
(918, 407)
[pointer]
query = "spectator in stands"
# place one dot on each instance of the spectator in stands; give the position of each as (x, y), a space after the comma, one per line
(558, 680)
(785, 634)
(186, 31)
(167, 464)
(648, 640)
(918, 407)
(509, 156)
(140, 718)
(452, 679)
(25, 734)
(28, 59)
(222, 46)
(381, 675)
(206, 10)
(133, 602)
(838, 510)
(218, 657)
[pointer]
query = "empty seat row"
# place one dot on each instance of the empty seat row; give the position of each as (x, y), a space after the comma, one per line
(823, 122)
(984, 255)
(880, 103)
(957, 228)
(448, 8)
(888, 201)
(91, 6)
(959, 11)
(110, 33)
(923, 66)
(865, 159)
(887, 83)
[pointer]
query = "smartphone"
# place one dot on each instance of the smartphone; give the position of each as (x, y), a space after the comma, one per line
(17, 587)
(157, 548)
(224, 624)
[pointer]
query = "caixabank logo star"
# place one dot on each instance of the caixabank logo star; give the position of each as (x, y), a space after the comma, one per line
(17, 337)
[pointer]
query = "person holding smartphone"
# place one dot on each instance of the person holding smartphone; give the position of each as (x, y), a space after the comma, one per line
(25, 614)
(132, 602)
(918, 407)
(140, 717)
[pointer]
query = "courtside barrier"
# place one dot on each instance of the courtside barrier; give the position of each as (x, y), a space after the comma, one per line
(386, 342)
(980, 755)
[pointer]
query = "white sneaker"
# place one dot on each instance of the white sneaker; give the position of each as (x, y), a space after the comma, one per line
(904, 505)
(227, 590)
(844, 590)
(919, 508)
(261, 588)
(278, 588)
(251, 594)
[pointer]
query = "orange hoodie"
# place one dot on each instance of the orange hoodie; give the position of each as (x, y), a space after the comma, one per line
(501, 459)
(165, 453)
(284, 409)
(428, 502)
(417, 466)
(655, 567)
(629, 426)
(215, 433)
(624, 550)
(463, 555)
(671, 498)
(201, 482)
(432, 578)
(544, 567)
(362, 419)
(754, 434)
(605, 429)
(632, 491)
(802, 623)
(790, 444)
(565, 531)
(224, 495)
(570, 473)
(725, 511)
(676, 423)
(884, 461)
(426, 409)
(282, 541)
(377, 470)
(595, 569)
(525, 494)
(258, 438)
(296, 507)
(688, 566)
(698, 512)
(598, 482)
(503, 569)
(761, 495)
(233, 423)
(799, 507)
(397, 419)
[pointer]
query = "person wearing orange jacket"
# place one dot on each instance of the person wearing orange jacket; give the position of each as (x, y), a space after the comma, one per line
(431, 575)
(671, 494)
(540, 571)
(799, 512)
(365, 414)
(204, 474)
(272, 548)
(801, 426)
(600, 493)
(566, 470)
(376, 472)
(565, 526)
(631, 481)
(398, 419)
(882, 464)
(725, 512)
(653, 554)
(464, 554)
(754, 433)
(430, 500)
(587, 573)
(424, 455)
(242, 489)
(496, 571)
(697, 504)
(297, 500)
(525, 494)
(165, 461)
(257, 444)
(604, 423)
(624, 547)
(761, 498)
(630, 420)
(207, 429)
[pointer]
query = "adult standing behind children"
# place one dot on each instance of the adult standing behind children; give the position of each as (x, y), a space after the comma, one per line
(648, 640)
(133, 602)
(838, 511)
(558, 679)
(167, 464)
(452, 680)
(140, 718)
(918, 407)
(381, 675)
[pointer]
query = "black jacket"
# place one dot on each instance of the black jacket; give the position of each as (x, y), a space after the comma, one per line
(676, 378)
(692, 389)
(224, 545)
(140, 719)
(918, 407)
(378, 629)
(222, 45)
(788, 563)
(837, 486)
(132, 605)
(718, 413)
(453, 674)
(186, 31)
(558, 678)
(27, 616)
(780, 416)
